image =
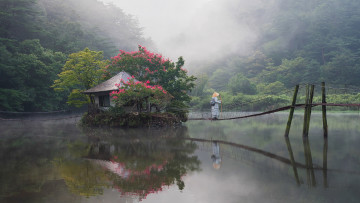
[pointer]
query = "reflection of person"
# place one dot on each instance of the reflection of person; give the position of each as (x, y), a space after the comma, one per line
(215, 106)
(216, 155)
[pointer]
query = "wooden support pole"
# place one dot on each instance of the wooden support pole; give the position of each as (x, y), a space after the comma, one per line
(309, 109)
(291, 111)
(323, 100)
(306, 109)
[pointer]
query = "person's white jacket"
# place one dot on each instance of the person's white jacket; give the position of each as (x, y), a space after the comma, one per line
(215, 108)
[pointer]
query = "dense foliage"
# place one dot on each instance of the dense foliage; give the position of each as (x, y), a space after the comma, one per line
(37, 35)
(154, 69)
(306, 41)
(26, 72)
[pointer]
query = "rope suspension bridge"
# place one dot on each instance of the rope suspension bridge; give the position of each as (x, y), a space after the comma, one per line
(273, 108)
(235, 109)
(309, 90)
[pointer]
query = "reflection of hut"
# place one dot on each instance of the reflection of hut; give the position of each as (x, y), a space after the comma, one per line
(141, 166)
(100, 93)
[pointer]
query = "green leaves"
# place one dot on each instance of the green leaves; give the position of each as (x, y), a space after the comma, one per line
(343, 69)
(11, 100)
(76, 98)
(18, 19)
(219, 79)
(28, 69)
(292, 72)
(81, 71)
(240, 84)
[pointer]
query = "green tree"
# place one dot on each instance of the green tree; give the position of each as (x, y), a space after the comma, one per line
(81, 71)
(18, 19)
(218, 80)
(69, 27)
(27, 72)
(342, 69)
(272, 88)
(200, 84)
(240, 84)
(292, 72)
(249, 66)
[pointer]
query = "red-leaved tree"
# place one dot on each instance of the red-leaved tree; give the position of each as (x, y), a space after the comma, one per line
(153, 68)
(137, 93)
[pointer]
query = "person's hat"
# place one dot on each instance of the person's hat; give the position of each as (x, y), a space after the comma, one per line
(215, 94)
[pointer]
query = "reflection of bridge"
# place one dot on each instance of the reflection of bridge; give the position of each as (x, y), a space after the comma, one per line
(241, 152)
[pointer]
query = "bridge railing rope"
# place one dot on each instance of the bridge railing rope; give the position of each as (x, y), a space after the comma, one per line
(310, 102)
(242, 104)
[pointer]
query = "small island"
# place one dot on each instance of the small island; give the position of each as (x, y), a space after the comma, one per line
(133, 89)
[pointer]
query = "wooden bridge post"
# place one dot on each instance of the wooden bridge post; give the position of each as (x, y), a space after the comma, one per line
(323, 100)
(291, 111)
(308, 106)
(306, 109)
(309, 109)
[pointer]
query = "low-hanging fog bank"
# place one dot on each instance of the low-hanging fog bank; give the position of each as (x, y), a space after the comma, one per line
(199, 30)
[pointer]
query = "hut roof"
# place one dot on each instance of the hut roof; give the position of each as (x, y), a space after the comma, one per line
(109, 85)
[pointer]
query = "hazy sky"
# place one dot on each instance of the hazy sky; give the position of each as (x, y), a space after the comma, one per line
(195, 29)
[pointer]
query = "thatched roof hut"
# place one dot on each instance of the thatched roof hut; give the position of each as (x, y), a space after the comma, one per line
(109, 85)
(101, 92)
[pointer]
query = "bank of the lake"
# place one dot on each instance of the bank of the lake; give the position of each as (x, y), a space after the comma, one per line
(132, 120)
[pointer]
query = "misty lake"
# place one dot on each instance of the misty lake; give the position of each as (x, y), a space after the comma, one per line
(246, 160)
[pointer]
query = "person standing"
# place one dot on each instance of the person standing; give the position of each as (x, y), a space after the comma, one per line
(215, 106)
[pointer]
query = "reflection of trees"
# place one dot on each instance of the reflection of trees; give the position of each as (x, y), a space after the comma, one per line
(153, 158)
(82, 177)
(135, 165)
(24, 165)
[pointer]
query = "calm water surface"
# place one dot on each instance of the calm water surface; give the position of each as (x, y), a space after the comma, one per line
(225, 161)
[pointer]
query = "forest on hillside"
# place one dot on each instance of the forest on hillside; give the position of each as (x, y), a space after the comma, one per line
(300, 42)
(304, 41)
(36, 37)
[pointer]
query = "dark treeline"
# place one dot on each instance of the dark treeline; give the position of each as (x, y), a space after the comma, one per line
(36, 37)
(304, 41)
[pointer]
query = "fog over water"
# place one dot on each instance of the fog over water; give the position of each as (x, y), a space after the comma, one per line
(198, 30)
(246, 160)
